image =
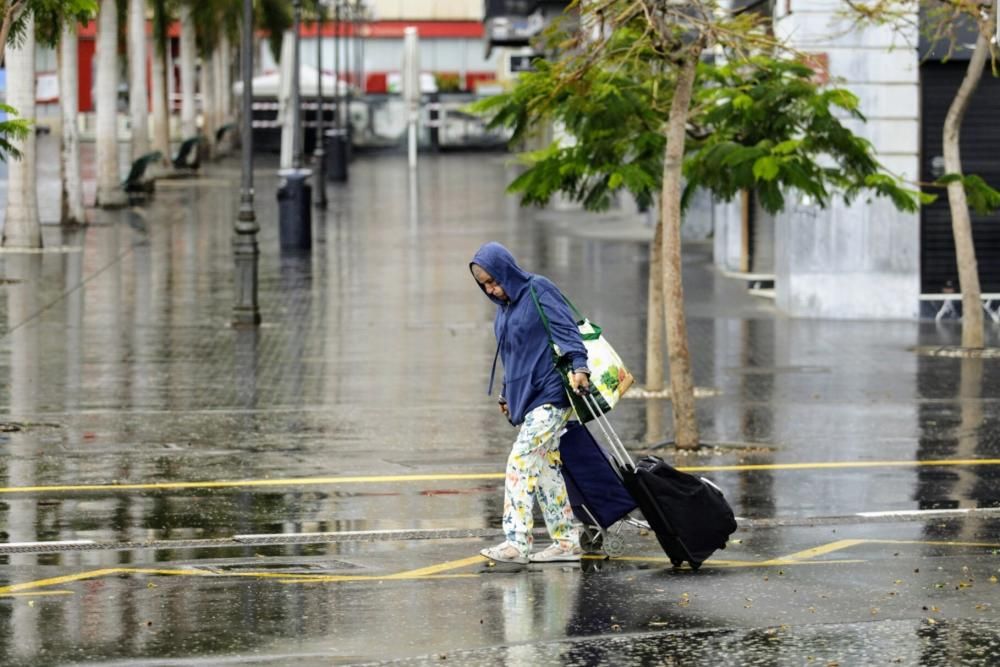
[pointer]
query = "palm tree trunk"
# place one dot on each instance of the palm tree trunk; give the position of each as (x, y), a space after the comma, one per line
(161, 105)
(681, 382)
(138, 102)
(208, 99)
(961, 222)
(69, 101)
(217, 87)
(161, 113)
(21, 228)
(654, 312)
(225, 80)
(189, 123)
(109, 193)
(285, 115)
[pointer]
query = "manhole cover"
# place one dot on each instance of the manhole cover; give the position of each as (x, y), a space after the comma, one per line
(282, 567)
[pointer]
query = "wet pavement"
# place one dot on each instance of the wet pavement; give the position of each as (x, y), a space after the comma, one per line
(316, 491)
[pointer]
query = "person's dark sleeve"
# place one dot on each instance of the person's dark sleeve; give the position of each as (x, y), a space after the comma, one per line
(564, 330)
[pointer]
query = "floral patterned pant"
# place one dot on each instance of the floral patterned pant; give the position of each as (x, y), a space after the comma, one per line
(534, 472)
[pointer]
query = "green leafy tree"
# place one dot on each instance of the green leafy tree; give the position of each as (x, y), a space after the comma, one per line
(767, 125)
(275, 16)
(13, 22)
(14, 15)
(942, 20)
(643, 112)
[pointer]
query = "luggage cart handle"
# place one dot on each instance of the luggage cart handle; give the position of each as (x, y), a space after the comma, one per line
(617, 446)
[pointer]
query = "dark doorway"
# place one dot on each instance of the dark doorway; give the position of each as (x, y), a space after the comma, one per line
(980, 146)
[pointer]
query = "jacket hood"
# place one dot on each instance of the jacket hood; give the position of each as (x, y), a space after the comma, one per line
(500, 263)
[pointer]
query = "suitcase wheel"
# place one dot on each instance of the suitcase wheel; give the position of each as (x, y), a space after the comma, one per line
(676, 562)
(614, 545)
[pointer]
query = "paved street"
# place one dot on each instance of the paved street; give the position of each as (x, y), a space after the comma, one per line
(316, 491)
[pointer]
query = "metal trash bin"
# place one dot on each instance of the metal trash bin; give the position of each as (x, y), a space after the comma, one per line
(295, 209)
(335, 153)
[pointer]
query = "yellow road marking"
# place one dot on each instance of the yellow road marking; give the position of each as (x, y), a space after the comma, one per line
(712, 562)
(444, 570)
(56, 581)
(440, 567)
(244, 483)
(333, 578)
(828, 465)
(464, 477)
(815, 552)
(839, 545)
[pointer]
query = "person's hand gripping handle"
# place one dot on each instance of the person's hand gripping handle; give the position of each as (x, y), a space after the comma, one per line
(580, 382)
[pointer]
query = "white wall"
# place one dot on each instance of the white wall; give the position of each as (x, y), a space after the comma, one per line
(860, 260)
(386, 55)
(452, 10)
(727, 241)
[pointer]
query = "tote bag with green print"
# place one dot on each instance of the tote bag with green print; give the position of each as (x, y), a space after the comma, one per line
(609, 378)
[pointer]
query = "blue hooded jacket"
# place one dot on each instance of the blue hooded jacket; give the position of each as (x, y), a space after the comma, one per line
(530, 378)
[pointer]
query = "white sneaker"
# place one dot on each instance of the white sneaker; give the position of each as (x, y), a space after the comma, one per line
(557, 553)
(505, 552)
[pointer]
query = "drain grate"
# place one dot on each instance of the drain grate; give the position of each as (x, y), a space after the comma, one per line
(280, 539)
(281, 567)
(956, 352)
(274, 539)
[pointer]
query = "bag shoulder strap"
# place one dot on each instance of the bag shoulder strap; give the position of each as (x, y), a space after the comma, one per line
(594, 335)
(493, 371)
(579, 317)
(541, 313)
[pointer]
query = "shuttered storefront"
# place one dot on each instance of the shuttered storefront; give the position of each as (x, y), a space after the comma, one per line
(980, 145)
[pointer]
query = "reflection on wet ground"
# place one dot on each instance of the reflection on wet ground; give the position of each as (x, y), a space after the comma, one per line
(122, 370)
(795, 594)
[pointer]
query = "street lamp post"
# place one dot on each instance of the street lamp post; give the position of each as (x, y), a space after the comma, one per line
(338, 144)
(349, 69)
(296, 88)
(359, 53)
(246, 312)
(320, 135)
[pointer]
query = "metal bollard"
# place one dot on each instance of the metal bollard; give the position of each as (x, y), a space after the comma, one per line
(295, 209)
(336, 156)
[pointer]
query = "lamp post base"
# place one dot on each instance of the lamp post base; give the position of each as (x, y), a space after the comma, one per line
(246, 312)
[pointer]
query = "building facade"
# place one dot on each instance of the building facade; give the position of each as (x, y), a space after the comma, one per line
(866, 260)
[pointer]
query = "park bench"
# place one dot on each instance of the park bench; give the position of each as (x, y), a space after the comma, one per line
(188, 156)
(221, 133)
(136, 185)
(224, 139)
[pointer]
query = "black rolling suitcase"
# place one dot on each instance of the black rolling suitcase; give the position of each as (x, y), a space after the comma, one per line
(688, 514)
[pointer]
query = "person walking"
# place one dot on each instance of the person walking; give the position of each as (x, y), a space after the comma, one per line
(533, 397)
